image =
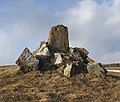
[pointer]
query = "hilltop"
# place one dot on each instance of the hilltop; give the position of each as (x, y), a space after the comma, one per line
(51, 86)
(56, 72)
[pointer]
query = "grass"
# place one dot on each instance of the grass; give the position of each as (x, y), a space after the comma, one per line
(53, 87)
(113, 68)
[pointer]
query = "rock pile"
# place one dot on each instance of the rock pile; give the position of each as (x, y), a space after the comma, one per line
(54, 54)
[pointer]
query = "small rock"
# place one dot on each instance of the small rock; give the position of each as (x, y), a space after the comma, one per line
(71, 70)
(58, 58)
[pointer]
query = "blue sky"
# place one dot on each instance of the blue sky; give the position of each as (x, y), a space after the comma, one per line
(93, 24)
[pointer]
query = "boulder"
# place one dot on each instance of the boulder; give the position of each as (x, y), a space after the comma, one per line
(58, 58)
(79, 53)
(97, 69)
(44, 56)
(43, 50)
(58, 37)
(72, 69)
(77, 56)
(26, 61)
(69, 70)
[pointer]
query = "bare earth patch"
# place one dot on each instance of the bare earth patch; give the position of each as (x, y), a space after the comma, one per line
(53, 87)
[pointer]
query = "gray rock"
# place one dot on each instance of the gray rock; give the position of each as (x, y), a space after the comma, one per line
(58, 37)
(44, 56)
(84, 51)
(26, 61)
(68, 70)
(72, 69)
(98, 69)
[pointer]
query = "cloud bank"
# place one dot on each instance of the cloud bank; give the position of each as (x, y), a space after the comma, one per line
(92, 24)
(96, 27)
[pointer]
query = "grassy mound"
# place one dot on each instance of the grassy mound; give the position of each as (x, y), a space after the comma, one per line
(53, 87)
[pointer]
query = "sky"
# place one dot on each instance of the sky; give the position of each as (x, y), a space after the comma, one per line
(92, 24)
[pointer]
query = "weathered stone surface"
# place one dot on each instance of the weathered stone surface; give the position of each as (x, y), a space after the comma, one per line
(80, 52)
(58, 58)
(77, 56)
(84, 51)
(43, 44)
(44, 50)
(73, 69)
(44, 62)
(58, 37)
(44, 56)
(97, 68)
(69, 70)
(27, 61)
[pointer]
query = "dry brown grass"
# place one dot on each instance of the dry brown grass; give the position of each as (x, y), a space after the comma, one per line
(113, 68)
(53, 87)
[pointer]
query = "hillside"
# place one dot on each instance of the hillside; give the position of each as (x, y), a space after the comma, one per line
(51, 86)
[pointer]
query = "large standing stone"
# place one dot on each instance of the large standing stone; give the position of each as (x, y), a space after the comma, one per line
(58, 37)
(26, 61)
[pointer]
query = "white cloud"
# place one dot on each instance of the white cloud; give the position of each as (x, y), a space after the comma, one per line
(114, 19)
(82, 13)
(114, 12)
(95, 27)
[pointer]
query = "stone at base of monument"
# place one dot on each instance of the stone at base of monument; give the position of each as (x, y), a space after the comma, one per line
(74, 68)
(79, 54)
(98, 69)
(27, 62)
(58, 60)
(69, 70)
